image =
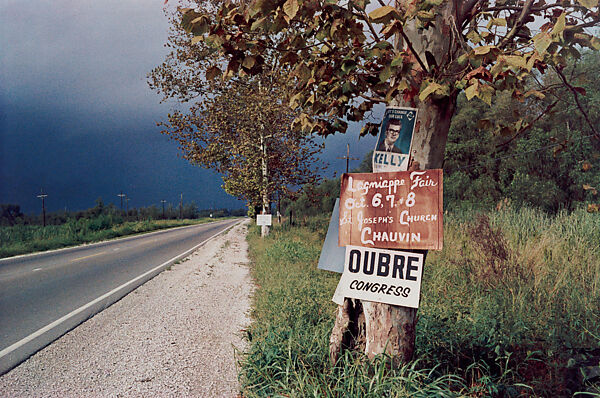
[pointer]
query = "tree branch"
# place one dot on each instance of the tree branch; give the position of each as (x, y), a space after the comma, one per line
(518, 24)
(576, 97)
(548, 109)
(362, 14)
(463, 9)
(412, 49)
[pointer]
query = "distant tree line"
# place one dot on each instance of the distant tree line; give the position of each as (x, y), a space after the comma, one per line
(11, 214)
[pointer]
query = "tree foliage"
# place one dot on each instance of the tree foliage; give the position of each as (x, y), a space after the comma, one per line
(346, 56)
(552, 165)
(240, 126)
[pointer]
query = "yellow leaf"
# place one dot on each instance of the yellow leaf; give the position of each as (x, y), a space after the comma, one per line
(383, 14)
(472, 91)
(249, 62)
(588, 3)
(516, 61)
(290, 7)
(430, 89)
(535, 93)
(559, 26)
(482, 50)
(542, 41)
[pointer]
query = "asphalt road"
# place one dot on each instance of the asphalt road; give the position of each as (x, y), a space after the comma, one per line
(37, 290)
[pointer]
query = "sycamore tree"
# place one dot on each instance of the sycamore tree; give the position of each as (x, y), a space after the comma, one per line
(240, 127)
(347, 56)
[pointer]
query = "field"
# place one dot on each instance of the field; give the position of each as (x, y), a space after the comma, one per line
(21, 239)
(510, 307)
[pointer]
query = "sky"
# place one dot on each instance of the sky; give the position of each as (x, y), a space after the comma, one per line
(78, 120)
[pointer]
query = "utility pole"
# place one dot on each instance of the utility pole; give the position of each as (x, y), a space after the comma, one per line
(43, 196)
(163, 204)
(347, 157)
(181, 207)
(121, 195)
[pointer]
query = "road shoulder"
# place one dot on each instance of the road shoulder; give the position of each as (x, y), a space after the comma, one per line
(173, 336)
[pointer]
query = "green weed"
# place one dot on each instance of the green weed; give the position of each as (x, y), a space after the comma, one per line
(510, 307)
(22, 239)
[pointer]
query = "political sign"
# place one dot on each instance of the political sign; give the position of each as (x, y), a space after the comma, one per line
(392, 210)
(384, 276)
(332, 256)
(394, 142)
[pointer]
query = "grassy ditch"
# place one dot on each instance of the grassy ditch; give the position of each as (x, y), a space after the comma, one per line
(22, 239)
(510, 307)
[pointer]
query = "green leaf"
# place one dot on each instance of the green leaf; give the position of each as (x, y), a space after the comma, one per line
(486, 93)
(197, 39)
(473, 36)
(426, 15)
(290, 7)
(432, 88)
(348, 66)
(398, 61)
(462, 60)
(384, 14)
(347, 87)
(385, 74)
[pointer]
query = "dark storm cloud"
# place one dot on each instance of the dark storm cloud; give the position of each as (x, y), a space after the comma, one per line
(76, 115)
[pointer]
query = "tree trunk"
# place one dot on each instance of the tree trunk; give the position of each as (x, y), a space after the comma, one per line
(388, 328)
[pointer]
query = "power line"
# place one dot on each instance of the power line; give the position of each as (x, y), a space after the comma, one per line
(43, 196)
(347, 157)
(543, 148)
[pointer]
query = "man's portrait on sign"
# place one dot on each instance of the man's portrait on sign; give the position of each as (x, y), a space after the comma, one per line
(395, 139)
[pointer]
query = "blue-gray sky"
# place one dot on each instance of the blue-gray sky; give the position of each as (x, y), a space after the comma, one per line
(77, 117)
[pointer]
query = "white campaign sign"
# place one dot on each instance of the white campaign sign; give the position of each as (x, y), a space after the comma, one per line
(263, 219)
(384, 276)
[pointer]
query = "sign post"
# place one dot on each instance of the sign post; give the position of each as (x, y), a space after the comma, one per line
(263, 219)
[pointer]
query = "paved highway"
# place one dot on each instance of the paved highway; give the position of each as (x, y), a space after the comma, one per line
(38, 291)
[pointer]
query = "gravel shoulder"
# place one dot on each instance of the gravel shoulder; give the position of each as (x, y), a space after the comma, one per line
(174, 336)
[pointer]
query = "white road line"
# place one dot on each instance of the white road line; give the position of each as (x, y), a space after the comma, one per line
(52, 325)
(37, 269)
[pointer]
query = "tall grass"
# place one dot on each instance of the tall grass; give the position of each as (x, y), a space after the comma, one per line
(21, 239)
(510, 307)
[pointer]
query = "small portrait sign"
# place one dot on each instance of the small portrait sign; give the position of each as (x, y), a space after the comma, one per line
(394, 142)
